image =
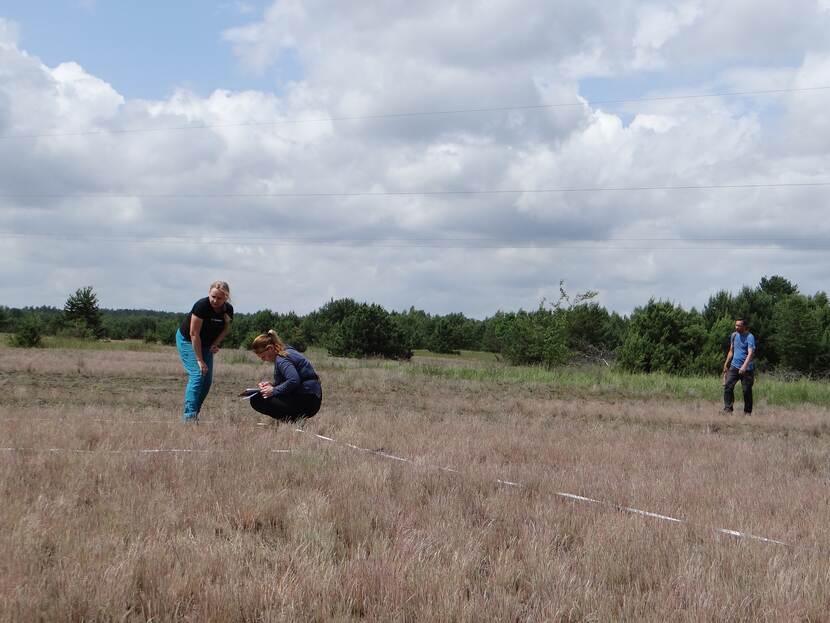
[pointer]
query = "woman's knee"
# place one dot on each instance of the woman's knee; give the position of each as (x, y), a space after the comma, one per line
(258, 404)
(314, 408)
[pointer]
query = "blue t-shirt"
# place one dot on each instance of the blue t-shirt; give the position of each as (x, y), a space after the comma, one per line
(740, 345)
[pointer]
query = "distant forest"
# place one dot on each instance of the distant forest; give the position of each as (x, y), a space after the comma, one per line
(792, 330)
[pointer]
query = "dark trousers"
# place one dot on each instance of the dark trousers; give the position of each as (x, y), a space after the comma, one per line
(287, 408)
(732, 377)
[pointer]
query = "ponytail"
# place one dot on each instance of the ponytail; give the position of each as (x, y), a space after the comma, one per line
(270, 338)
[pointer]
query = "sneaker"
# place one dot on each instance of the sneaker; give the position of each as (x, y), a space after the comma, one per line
(726, 411)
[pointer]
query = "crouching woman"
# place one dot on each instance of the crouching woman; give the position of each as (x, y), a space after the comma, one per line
(296, 391)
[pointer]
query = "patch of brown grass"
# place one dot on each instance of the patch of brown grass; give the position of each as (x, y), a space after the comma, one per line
(237, 531)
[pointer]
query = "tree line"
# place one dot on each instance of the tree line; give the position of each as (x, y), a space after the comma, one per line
(792, 329)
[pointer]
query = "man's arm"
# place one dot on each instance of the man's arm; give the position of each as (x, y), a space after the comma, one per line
(728, 359)
(750, 354)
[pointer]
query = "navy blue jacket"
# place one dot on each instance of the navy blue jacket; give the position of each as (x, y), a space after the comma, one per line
(295, 374)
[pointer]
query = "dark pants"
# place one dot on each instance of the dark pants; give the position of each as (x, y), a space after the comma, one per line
(287, 408)
(746, 379)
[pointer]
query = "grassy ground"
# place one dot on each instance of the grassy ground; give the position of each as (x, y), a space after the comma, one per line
(261, 523)
(612, 382)
(56, 341)
(462, 355)
(598, 381)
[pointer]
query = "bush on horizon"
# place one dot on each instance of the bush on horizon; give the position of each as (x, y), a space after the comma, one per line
(28, 333)
(368, 331)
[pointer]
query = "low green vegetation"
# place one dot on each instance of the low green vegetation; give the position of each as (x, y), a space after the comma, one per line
(28, 333)
(601, 381)
(472, 356)
(77, 343)
(792, 330)
(571, 381)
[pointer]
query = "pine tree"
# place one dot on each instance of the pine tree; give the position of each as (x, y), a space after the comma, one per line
(82, 309)
(797, 333)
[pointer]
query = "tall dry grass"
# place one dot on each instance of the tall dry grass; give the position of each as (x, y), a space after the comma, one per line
(237, 529)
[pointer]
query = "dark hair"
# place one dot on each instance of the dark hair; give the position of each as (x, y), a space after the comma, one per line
(742, 321)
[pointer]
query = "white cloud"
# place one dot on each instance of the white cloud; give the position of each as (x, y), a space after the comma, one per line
(260, 44)
(237, 6)
(9, 32)
(656, 25)
(363, 64)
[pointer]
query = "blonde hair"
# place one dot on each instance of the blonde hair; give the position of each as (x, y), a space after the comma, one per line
(221, 285)
(270, 338)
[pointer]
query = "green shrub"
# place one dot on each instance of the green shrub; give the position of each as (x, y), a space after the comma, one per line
(446, 336)
(296, 338)
(76, 329)
(797, 334)
(531, 338)
(29, 332)
(662, 337)
(368, 331)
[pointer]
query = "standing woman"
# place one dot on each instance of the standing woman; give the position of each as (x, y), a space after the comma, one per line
(296, 391)
(197, 339)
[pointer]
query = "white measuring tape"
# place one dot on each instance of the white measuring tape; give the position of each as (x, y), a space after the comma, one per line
(136, 451)
(96, 420)
(570, 496)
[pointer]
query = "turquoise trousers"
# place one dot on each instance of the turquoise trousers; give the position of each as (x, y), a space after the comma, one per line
(198, 384)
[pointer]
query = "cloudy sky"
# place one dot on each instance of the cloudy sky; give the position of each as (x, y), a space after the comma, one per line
(458, 157)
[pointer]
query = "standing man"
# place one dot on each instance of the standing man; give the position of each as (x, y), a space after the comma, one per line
(739, 366)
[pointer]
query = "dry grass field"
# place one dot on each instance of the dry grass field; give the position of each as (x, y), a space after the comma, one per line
(263, 523)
